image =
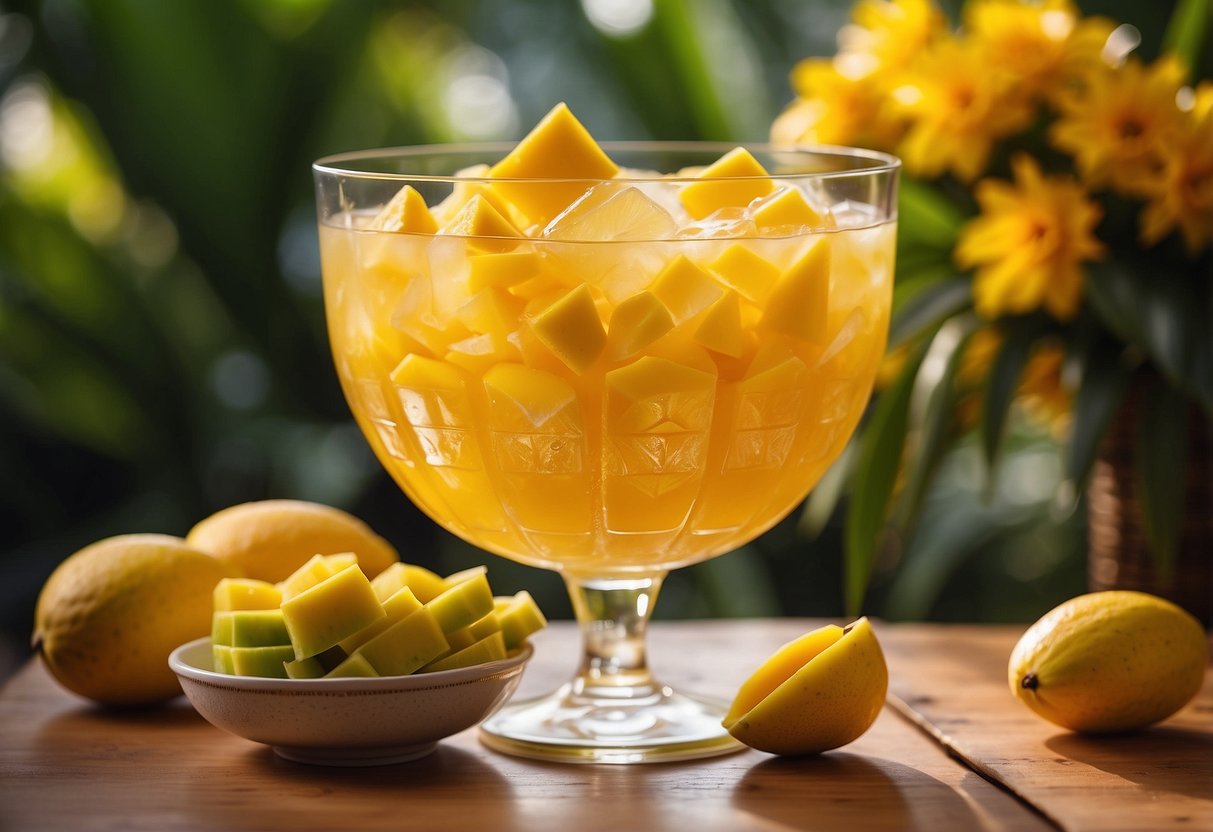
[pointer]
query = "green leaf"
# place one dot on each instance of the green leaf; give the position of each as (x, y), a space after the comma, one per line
(1001, 384)
(928, 308)
(880, 447)
(1187, 33)
(1100, 391)
(932, 408)
(926, 217)
(1160, 456)
(824, 497)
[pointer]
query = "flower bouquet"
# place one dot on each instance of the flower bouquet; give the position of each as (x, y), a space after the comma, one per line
(1055, 245)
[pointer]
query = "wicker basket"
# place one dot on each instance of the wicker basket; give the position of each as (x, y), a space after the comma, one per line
(1119, 555)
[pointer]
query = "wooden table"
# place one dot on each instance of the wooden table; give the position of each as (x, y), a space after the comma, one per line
(952, 750)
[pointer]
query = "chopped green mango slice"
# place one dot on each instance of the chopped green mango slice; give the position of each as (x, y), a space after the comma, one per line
(405, 646)
(249, 628)
(246, 594)
(267, 662)
(221, 659)
(426, 585)
(518, 617)
(309, 668)
(313, 572)
(462, 604)
(456, 578)
(402, 604)
(355, 665)
(332, 610)
(491, 648)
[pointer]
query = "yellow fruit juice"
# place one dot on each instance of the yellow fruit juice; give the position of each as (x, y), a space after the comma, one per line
(614, 405)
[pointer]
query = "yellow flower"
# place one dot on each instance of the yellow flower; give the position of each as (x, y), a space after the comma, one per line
(958, 108)
(1043, 45)
(1028, 243)
(836, 109)
(1119, 126)
(1043, 393)
(887, 34)
(1183, 194)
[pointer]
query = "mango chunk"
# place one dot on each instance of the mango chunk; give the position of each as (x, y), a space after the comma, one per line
(533, 396)
(456, 578)
(500, 271)
(637, 322)
(745, 272)
(462, 604)
(334, 609)
(786, 208)
(353, 666)
(406, 646)
(685, 289)
(459, 639)
(559, 147)
(267, 662)
(313, 572)
(425, 585)
(492, 311)
(400, 605)
(249, 628)
(488, 649)
(800, 300)
(406, 212)
(483, 226)
(246, 594)
(309, 668)
(721, 330)
(572, 330)
(713, 193)
(519, 617)
(221, 659)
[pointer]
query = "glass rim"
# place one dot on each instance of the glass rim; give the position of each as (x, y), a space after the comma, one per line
(338, 164)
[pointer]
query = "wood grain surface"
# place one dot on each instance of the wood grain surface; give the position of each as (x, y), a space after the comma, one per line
(67, 765)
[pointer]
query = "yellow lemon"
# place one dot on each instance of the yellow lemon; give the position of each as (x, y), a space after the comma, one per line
(821, 691)
(111, 613)
(1109, 661)
(270, 539)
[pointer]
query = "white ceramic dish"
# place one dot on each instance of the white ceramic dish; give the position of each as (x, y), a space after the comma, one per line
(346, 722)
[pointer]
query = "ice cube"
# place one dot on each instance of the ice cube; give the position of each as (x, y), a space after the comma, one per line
(607, 212)
(850, 329)
(449, 270)
(724, 223)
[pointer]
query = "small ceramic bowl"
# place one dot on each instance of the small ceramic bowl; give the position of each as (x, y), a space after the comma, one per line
(346, 722)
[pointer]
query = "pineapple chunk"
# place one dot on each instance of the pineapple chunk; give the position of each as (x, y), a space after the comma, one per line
(571, 329)
(713, 193)
(489, 649)
(637, 322)
(519, 617)
(800, 300)
(745, 272)
(246, 594)
(685, 289)
(558, 148)
(721, 330)
(406, 212)
(334, 609)
(463, 603)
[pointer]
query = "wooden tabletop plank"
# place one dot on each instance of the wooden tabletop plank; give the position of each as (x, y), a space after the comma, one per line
(955, 686)
(66, 765)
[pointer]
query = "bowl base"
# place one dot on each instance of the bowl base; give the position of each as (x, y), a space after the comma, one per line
(355, 757)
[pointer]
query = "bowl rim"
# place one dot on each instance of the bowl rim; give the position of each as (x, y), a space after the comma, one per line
(503, 668)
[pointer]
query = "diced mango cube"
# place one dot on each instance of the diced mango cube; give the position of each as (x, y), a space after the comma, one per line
(309, 668)
(750, 275)
(423, 373)
(426, 585)
(221, 659)
(571, 329)
(488, 649)
(462, 604)
(456, 578)
(334, 609)
(267, 662)
(534, 395)
(469, 183)
(721, 330)
(400, 605)
(249, 628)
(637, 322)
(500, 271)
(313, 572)
(485, 626)
(685, 289)
(407, 213)
(458, 639)
(713, 192)
(559, 147)
(406, 646)
(354, 666)
(246, 594)
(800, 300)
(787, 208)
(483, 226)
(519, 617)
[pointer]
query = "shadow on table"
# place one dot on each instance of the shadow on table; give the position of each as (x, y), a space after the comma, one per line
(843, 790)
(1159, 759)
(176, 714)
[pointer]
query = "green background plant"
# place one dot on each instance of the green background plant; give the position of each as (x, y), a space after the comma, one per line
(162, 350)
